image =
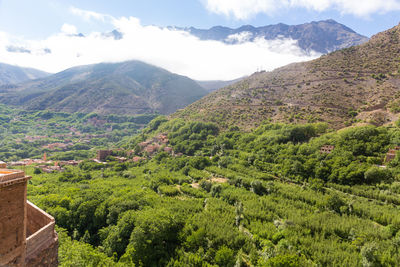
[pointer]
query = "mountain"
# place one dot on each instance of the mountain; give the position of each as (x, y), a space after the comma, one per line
(211, 86)
(321, 36)
(10, 74)
(357, 84)
(130, 87)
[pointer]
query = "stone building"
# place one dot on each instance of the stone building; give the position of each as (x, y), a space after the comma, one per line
(391, 155)
(27, 235)
(103, 154)
(327, 149)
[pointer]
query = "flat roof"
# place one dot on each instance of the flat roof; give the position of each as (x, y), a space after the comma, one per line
(7, 175)
(5, 172)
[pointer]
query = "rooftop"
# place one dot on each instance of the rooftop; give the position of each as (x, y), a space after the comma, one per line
(7, 176)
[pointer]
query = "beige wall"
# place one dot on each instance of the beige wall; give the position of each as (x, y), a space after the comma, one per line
(12, 221)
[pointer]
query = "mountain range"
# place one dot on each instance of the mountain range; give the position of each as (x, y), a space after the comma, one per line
(322, 36)
(131, 87)
(360, 84)
(10, 74)
(135, 87)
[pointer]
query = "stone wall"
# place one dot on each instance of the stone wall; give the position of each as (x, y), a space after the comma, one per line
(47, 257)
(27, 235)
(36, 219)
(12, 218)
(42, 240)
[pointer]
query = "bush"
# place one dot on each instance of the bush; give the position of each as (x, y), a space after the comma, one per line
(225, 257)
(377, 175)
(334, 203)
(257, 187)
(169, 190)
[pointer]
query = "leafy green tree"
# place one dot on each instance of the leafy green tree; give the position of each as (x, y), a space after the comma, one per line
(225, 257)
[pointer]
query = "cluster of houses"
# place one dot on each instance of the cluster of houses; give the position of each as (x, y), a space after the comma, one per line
(157, 143)
(44, 164)
(148, 149)
(66, 139)
(58, 166)
(54, 146)
(103, 154)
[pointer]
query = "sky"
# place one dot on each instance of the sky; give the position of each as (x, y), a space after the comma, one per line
(43, 34)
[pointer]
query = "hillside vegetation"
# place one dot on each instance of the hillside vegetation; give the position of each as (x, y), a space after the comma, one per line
(63, 136)
(131, 87)
(357, 84)
(266, 198)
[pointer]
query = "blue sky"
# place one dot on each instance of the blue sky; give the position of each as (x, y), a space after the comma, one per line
(42, 33)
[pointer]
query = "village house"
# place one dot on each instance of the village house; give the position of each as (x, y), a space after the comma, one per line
(103, 154)
(327, 149)
(50, 169)
(121, 159)
(391, 155)
(137, 159)
(151, 149)
(168, 149)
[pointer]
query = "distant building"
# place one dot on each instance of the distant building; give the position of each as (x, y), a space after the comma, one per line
(27, 235)
(327, 149)
(151, 149)
(121, 159)
(168, 149)
(137, 159)
(103, 154)
(3, 165)
(391, 155)
(50, 169)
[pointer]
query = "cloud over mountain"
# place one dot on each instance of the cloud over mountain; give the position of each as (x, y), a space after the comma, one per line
(171, 49)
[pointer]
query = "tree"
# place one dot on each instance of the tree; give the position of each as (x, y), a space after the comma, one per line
(376, 175)
(334, 202)
(225, 257)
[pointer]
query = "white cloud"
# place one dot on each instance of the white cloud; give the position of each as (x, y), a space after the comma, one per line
(69, 29)
(245, 9)
(89, 15)
(176, 51)
(239, 37)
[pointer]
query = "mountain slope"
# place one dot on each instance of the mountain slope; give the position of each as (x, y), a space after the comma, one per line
(10, 74)
(131, 87)
(211, 86)
(322, 36)
(356, 84)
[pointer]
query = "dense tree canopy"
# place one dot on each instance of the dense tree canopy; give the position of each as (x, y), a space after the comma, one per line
(269, 197)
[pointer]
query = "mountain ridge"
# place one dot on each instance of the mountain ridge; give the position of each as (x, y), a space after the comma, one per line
(11, 74)
(130, 87)
(320, 36)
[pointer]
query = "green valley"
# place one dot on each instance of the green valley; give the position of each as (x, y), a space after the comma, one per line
(123, 163)
(270, 197)
(63, 136)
